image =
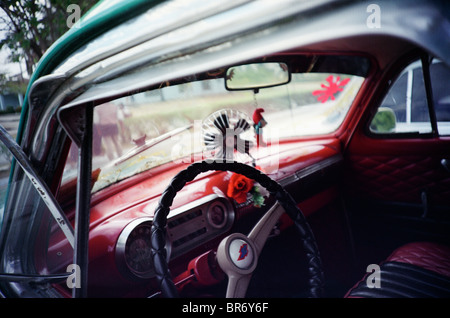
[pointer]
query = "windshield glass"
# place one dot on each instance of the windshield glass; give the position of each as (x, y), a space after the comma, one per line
(167, 124)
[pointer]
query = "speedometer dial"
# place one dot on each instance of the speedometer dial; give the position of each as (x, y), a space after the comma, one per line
(133, 250)
(138, 250)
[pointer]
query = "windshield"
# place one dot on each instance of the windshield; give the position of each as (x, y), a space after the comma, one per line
(167, 124)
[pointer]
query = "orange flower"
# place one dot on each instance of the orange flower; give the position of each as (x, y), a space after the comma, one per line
(238, 187)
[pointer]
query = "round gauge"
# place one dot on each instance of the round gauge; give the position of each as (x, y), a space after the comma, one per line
(138, 254)
(133, 250)
(217, 214)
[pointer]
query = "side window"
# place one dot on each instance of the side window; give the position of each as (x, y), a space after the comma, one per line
(440, 79)
(36, 236)
(405, 108)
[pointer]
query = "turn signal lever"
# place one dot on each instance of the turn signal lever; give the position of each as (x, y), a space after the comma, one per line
(202, 271)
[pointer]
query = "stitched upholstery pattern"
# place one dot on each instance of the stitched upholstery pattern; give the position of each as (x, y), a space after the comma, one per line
(400, 179)
(418, 269)
(402, 280)
(427, 255)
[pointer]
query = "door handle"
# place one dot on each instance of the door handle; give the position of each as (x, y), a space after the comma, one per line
(446, 164)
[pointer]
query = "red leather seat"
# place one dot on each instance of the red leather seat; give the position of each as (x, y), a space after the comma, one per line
(419, 269)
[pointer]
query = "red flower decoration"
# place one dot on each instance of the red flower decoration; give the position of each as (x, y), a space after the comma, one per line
(238, 187)
(333, 87)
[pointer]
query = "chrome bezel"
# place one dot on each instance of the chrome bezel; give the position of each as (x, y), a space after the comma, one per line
(226, 214)
(120, 251)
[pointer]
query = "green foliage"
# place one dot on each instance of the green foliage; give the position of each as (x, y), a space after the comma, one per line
(384, 120)
(32, 26)
(258, 198)
(9, 86)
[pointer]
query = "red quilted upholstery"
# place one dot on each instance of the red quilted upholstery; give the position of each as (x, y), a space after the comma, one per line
(400, 179)
(427, 255)
(406, 281)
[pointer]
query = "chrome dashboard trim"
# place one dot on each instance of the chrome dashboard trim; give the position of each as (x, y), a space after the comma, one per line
(197, 224)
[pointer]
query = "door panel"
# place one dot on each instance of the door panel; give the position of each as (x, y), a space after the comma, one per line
(396, 192)
(399, 156)
(396, 184)
(399, 171)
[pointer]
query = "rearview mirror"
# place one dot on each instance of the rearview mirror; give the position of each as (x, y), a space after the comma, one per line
(257, 75)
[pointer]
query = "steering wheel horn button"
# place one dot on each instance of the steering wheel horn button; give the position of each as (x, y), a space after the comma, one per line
(241, 253)
(237, 255)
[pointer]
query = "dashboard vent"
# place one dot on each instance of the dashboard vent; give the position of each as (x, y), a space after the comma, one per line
(189, 237)
(184, 218)
(198, 222)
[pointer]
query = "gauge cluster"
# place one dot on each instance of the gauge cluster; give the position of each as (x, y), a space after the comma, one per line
(187, 227)
(133, 250)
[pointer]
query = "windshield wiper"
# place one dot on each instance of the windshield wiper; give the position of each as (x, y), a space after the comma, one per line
(152, 142)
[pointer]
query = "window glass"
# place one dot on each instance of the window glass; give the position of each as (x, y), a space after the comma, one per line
(33, 242)
(311, 104)
(405, 107)
(166, 124)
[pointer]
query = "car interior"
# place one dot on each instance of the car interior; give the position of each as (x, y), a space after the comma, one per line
(315, 170)
(365, 192)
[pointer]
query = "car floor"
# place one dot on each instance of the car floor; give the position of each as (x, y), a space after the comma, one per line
(282, 269)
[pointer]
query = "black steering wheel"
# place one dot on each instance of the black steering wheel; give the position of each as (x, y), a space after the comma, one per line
(238, 271)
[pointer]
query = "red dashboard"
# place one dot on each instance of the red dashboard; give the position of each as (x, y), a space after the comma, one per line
(121, 215)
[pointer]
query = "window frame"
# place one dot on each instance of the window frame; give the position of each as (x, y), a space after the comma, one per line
(426, 60)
